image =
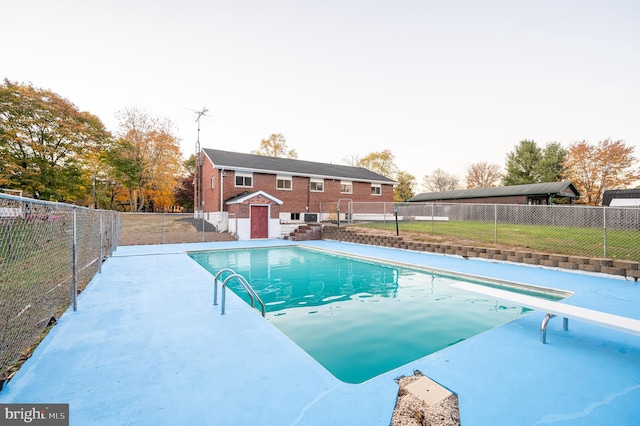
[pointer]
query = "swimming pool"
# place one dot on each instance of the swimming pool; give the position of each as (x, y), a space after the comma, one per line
(356, 317)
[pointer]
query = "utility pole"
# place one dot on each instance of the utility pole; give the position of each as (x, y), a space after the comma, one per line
(198, 202)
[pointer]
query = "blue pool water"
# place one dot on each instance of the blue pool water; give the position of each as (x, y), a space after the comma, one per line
(356, 317)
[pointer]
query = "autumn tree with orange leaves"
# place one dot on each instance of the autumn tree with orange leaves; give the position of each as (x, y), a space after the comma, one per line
(596, 168)
(146, 160)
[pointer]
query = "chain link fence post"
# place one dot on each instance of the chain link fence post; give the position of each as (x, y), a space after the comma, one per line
(74, 287)
(495, 224)
(604, 227)
(101, 244)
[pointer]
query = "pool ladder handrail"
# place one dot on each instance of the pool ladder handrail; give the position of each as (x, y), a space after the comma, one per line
(243, 282)
(215, 283)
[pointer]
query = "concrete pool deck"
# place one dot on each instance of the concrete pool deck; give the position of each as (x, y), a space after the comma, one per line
(147, 346)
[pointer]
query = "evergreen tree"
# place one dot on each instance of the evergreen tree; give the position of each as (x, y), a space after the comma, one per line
(528, 163)
(523, 164)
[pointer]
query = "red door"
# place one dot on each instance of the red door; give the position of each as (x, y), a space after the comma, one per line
(259, 221)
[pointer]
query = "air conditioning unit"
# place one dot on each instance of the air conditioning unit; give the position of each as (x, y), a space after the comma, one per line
(311, 217)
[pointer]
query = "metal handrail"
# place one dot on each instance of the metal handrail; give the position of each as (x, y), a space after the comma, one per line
(240, 279)
(247, 287)
(215, 283)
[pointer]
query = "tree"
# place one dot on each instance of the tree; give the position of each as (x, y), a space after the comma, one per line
(147, 160)
(551, 167)
(275, 146)
(483, 175)
(596, 168)
(104, 187)
(522, 164)
(440, 181)
(48, 147)
(381, 162)
(125, 169)
(351, 160)
(183, 193)
(7, 168)
(404, 190)
(528, 163)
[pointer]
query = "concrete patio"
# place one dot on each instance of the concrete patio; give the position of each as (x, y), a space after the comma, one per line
(146, 346)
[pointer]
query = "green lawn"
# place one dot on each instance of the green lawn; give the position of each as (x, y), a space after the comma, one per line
(620, 244)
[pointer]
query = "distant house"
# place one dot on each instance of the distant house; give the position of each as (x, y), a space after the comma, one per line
(621, 198)
(254, 195)
(535, 193)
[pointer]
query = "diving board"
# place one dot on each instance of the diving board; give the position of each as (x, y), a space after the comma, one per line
(551, 308)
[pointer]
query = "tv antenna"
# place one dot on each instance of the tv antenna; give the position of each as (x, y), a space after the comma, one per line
(200, 115)
(198, 204)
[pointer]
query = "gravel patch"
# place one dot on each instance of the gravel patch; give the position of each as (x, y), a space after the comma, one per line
(410, 410)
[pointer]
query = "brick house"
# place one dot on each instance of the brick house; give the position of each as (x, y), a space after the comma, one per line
(256, 196)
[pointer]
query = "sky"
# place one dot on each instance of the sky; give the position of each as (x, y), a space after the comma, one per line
(441, 84)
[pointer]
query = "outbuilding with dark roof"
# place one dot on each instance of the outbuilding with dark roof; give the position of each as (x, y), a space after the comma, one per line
(535, 193)
(621, 197)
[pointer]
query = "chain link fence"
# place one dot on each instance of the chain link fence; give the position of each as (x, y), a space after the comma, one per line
(48, 254)
(169, 228)
(607, 232)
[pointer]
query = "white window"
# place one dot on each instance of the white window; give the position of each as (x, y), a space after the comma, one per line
(244, 179)
(376, 189)
(283, 182)
(213, 182)
(316, 185)
(346, 187)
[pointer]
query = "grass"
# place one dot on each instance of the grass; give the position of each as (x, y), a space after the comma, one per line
(590, 242)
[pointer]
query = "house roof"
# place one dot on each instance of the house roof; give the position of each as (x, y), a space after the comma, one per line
(556, 189)
(240, 198)
(264, 164)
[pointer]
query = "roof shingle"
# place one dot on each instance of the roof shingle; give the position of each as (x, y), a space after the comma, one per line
(559, 189)
(261, 163)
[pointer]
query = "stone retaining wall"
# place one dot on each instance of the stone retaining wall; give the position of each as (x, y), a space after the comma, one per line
(625, 268)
